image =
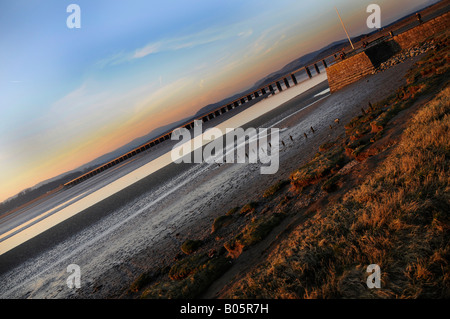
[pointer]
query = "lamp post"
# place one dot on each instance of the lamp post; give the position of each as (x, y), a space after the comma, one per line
(344, 28)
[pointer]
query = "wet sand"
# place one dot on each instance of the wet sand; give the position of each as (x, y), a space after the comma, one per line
(193, 197)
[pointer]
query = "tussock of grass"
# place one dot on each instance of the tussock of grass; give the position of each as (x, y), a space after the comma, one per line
(192, 278)
(232, 211)
(187, 266)
(190, 246)
(248, 208)
(319, 167)
(326, 146)
(224, 220)
(220, 222)
(259, 228)
(145, 279)
(275, 188)
(331, 184)
(252, 233)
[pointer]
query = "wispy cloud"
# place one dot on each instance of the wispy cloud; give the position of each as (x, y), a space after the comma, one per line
(150, 48)
(180, 43)
(245, 34)
(114, 59)
(189, 41)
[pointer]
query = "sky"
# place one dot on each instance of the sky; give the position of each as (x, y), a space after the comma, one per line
(70, 95)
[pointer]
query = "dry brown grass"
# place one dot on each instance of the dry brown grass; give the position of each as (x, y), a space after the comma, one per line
(398, 218)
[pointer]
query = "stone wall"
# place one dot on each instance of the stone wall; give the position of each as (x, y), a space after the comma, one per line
(348, 71)
(362, 64)
(422, 32)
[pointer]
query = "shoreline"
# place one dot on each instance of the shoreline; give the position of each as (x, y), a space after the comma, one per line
(142, 168)
(344, 104)
(250, 189)
(37, 247)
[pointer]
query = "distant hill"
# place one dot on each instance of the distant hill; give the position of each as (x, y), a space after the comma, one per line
(49, 185)
(36, 191)
(213, 106)
(133, 144)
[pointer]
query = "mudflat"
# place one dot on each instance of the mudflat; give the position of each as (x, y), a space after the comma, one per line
(179, 202)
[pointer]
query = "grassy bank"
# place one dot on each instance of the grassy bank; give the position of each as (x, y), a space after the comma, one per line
(398, 218)
(395, 217)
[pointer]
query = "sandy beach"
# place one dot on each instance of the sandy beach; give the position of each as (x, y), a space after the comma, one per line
(143, 226)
